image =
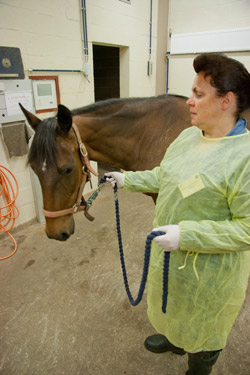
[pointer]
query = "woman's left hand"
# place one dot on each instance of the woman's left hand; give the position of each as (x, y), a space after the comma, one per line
(115, 178)
(169, 241)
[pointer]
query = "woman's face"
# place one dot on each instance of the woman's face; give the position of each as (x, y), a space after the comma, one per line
(205, 105)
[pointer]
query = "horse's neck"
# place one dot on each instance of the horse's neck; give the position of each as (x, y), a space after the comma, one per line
(107, 142)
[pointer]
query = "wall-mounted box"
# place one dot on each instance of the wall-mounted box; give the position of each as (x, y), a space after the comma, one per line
(46, 93)
(11, 65)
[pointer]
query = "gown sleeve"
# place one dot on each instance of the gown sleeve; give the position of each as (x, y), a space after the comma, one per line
(143, 181)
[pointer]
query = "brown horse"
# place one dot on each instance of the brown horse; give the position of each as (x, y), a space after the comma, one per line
(131, 134)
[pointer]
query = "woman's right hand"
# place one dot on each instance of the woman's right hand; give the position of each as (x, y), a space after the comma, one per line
(115, 178)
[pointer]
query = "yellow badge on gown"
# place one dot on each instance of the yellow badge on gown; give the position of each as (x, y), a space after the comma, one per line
(191, 185)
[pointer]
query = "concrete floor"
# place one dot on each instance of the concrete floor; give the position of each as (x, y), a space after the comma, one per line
(64, 309)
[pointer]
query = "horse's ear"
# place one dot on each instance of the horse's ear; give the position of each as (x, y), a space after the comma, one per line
(32, 119)
(64, 118)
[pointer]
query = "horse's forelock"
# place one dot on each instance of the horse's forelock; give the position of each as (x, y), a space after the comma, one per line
(44, 144)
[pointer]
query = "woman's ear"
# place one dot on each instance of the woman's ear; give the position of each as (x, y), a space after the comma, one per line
(229, 101)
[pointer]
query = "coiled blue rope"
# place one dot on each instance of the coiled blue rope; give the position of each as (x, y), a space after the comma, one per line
(150, 237)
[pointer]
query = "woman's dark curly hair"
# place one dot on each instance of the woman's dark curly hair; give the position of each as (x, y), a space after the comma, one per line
(226, 75)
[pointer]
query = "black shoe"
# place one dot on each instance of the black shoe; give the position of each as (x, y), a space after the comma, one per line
(201, 363)
(160, 344)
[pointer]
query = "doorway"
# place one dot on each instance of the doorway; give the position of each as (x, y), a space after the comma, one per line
(106, 62)
(106, 72)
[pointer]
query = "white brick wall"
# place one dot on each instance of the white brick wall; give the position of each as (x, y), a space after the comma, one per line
(25, 199)
(117, 23)
(197, 16)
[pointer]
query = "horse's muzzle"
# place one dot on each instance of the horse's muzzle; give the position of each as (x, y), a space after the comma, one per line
(62, 235)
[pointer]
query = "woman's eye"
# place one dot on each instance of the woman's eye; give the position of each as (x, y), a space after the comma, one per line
(67, 171)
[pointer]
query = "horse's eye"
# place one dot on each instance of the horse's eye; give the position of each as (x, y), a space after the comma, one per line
(67, 171)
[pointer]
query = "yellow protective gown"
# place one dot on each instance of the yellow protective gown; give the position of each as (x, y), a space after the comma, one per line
(203, 184)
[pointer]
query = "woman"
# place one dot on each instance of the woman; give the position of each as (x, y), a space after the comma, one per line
(203, 206)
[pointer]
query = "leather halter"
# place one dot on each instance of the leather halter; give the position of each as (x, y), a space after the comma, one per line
(81, 204)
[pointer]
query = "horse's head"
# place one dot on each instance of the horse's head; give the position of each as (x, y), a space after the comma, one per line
(54, 157)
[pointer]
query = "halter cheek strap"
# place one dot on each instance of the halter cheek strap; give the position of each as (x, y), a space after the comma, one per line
(83, 152)
(81, 204)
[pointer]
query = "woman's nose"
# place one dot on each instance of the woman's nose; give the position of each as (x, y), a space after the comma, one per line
(190, 102)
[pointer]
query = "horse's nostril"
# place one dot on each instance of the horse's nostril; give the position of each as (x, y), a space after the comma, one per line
(63, 236)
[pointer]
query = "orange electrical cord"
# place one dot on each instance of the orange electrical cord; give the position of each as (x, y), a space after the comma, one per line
(9, 212)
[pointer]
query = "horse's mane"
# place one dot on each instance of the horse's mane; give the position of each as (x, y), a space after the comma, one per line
(44, 143)
(98, 105)
(102, 104)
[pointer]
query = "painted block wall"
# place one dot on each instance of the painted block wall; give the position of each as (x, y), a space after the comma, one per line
(127, 25)
(197, 16)
(25, 199)
(49, 34)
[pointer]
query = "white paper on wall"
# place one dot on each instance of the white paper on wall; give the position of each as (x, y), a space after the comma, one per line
(13, 99)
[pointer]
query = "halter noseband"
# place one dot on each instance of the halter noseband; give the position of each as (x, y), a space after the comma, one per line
(81, 204)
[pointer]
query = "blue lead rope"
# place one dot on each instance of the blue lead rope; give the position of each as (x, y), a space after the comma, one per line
(150, 237)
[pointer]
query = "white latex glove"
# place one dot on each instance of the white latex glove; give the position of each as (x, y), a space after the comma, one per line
(169, 241)
(115, 178)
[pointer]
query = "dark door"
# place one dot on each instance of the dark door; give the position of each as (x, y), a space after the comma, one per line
(106, 81)
(106, 72)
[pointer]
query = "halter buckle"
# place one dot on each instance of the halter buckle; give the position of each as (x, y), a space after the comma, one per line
(83, 150)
